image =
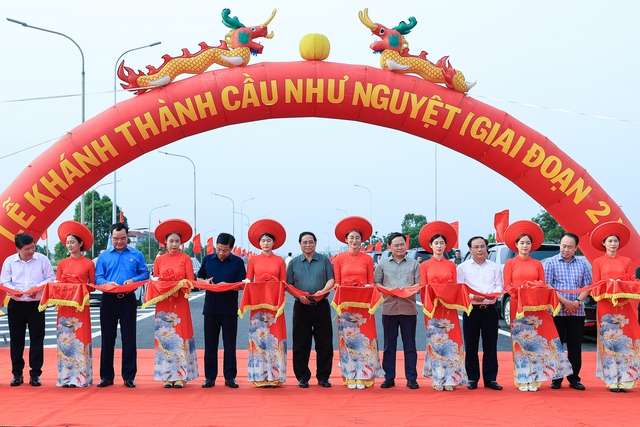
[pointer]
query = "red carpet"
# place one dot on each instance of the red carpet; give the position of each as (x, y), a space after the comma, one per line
(150, 404)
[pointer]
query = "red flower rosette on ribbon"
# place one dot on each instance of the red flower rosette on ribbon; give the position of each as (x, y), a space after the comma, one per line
(535, 295)
(168, 284)
(69, 293)
(352, 293)
(620, 291)
(267, 293)
(451, 295)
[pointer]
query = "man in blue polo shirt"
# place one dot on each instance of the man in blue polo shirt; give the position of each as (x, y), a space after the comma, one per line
(221, 310)
(121, 265)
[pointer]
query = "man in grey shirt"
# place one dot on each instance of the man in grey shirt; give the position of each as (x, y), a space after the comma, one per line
(311, 272)
(395, 272)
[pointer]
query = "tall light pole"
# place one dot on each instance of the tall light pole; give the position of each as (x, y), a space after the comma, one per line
(241, 224)
(93, 216)
(149, 235)
(370, 202)
(342, 210)
(24, 24)
(233, 210)
(195, 227)
(115, 76)
(248, 222)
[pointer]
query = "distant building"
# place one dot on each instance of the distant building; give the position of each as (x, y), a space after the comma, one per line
(136, 237)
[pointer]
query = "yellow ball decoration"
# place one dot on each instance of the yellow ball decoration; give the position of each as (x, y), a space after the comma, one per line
(314, 47)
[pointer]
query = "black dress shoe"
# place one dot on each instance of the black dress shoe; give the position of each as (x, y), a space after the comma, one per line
(493, 385)
(388, 383)
(130, 383)
(35, 381)
(556, 384)
(231, 383)
(303, 384)
(413, 384)
(208, 383)
(17, 380)
(472, 385)
(577, 385)
(324, 383)
(105, 382)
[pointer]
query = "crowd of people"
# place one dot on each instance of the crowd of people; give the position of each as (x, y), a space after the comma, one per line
(546, 308)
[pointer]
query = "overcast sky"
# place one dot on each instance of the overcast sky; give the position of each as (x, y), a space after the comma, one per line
(534, 60)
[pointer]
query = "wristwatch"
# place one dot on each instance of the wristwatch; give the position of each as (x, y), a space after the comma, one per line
(578, 300)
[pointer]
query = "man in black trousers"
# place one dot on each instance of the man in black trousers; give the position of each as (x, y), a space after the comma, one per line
(23, 271)
(221, 311)
(311, 272)
(566, 272)
(484, 276)
(121, 265)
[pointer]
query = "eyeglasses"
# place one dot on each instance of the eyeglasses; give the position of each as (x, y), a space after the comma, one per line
(119, 239)
(399, 245)
(308, 243)
(223, 251)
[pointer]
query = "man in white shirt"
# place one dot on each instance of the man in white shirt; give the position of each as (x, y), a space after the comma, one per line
(24, 271)
(483, 276)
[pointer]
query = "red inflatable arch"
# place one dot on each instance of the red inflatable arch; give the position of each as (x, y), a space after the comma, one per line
(306, 89)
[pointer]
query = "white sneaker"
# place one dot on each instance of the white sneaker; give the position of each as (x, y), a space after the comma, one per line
(523, 388)
(533, 388)
(351, 386)
(360, 386)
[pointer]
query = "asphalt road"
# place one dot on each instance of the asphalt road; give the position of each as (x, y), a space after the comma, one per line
(145, 328)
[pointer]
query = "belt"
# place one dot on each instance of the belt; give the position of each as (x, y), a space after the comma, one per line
(120, 295)
(484, 306)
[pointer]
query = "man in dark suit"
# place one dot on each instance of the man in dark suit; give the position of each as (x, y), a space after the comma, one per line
(221, 311)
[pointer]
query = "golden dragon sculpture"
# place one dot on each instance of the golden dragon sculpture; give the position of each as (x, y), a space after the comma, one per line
(395, 56)
(239, 37)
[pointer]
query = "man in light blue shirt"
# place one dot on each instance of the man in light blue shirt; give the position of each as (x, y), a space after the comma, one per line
(121, 265)
(23, 271)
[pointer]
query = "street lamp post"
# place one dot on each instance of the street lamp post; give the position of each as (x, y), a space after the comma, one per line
(24, 24)
(370, 202)
(115, 75)
(248, 222)
(342, 210)
(195, 227)
(93, 216)
(149, 235)
(241, 224)
(233, 211)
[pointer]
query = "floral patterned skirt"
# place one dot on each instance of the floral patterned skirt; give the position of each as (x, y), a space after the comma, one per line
(358, 346)
(618, 345)
(538, 354)
(74, 347)
(444, 358)
(175, 347)
(267, 352)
